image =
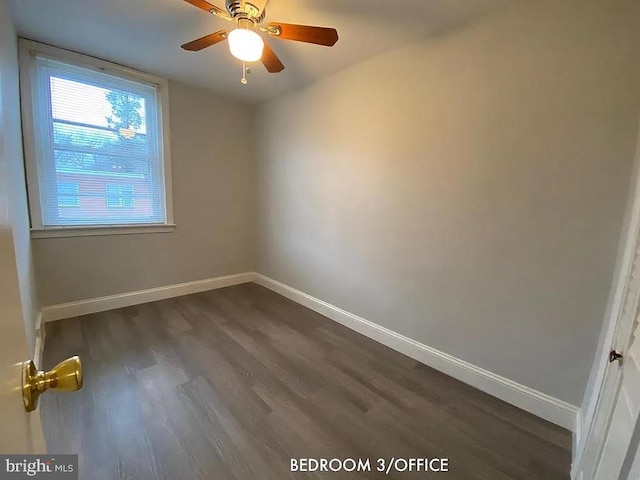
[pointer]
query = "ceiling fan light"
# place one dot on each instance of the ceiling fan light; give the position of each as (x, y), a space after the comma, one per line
(245, 45)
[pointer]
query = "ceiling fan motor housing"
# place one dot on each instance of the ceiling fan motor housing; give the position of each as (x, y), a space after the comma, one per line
(243, 9)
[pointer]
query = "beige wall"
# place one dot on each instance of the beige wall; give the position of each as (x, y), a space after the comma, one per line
(12, 170)
(468, 191)
(213, 200)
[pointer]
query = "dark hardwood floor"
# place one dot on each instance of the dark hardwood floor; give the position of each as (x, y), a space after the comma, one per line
(233, 383)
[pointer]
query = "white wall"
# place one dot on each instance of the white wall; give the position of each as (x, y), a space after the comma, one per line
(14, 170)
(213, 198)
(467, 191)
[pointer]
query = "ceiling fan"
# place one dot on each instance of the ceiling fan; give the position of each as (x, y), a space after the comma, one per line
(244, 41)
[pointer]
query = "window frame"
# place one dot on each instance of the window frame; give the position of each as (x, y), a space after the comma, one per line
(28, 50)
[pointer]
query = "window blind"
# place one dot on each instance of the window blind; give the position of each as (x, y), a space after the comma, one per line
(98, 147)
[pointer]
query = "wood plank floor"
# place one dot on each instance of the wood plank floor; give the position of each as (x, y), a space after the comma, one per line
(233, 383)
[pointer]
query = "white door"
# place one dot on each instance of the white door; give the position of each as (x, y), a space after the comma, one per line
(608, 430)
(20, 432)
(634, 469)
(619, 450)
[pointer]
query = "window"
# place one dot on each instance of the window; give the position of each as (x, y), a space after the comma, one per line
(68, 194)
(95, 141)
(120, 195)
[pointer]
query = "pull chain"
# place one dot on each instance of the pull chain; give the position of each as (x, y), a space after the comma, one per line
(244, 80)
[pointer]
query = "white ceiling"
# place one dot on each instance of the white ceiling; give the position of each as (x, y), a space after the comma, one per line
(147, 34)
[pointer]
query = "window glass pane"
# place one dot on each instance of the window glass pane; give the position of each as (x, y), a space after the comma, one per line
(107, 107)
(120, 195)
(68, 194)
(70, 137)
(98, 144)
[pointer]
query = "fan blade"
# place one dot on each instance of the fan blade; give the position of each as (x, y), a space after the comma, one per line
(270, 60)
(206, 41)
(304, 33)
(207, 7)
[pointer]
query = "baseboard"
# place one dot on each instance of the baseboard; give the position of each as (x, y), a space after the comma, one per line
(535, 402)
(102, 304)
(577, 444)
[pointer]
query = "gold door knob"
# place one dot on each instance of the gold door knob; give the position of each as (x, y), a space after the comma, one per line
(66, 377)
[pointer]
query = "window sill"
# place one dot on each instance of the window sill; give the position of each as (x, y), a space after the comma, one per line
(86, 231)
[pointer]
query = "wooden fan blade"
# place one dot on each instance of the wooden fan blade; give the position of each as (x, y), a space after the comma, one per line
(206, 6)
(304, 33)
(206, 41)
(270, 60)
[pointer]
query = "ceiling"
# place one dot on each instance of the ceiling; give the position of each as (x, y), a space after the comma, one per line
(147, 34)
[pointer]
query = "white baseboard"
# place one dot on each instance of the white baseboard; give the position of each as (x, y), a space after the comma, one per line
(102, 304)
(577, 444)
(535, 402)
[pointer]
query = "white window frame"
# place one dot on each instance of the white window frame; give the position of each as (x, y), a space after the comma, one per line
(28, 51)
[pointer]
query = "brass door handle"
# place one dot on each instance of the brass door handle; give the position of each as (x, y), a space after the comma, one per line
(66, 377)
